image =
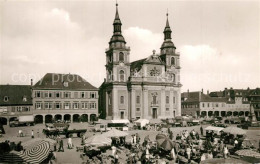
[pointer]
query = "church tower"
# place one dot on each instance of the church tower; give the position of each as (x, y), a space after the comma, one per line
(169, 55)
(117, 72)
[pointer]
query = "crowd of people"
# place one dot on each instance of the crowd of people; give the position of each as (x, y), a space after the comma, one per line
(188, 147)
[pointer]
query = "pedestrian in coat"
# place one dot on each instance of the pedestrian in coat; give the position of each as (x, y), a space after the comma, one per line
(201, 130)
(61, 146)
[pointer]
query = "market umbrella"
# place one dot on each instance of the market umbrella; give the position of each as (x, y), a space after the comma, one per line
(160, 136)
(12, 157)
(222, 160)
(234, 130)
(165, 143)
(36, 141)
(115, 133)
(98, 140)
(38, 153)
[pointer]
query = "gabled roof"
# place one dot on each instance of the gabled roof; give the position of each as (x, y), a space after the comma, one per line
(153, 59)
(255, 92)
(137, 65)
(58, 81)
(200, 97)
(206, 98)
(16, 95)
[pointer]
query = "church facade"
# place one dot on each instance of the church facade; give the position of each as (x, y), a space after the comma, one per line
(149, 88)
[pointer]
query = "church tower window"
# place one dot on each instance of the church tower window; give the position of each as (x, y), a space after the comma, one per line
(121, 57)
(172, 61)
(121, 75)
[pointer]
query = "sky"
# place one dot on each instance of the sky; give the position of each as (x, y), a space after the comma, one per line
(218, 41)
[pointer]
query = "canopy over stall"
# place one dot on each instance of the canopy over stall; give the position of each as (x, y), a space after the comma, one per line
(115, 133)
(214, 129)
(234, 131)
(125, 121)
(142, 122)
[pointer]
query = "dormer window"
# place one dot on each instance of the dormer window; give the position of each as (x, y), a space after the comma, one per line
(24, 99)
(66, 84)
(6, 98)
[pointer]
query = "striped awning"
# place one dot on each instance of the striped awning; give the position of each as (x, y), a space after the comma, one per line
(38, 153)
(12, 157)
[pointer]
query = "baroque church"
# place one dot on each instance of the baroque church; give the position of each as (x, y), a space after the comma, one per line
(149, 88)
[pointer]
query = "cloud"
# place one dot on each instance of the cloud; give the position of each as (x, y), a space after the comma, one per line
(203, 65)
(49, 41)
(142, 42)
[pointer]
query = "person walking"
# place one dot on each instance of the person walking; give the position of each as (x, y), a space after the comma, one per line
(225, 151)
(61, 145)
(116, 158)
(32, 134)
(201, 130)
(188, 151)
(70, 143)
(173, 155)
(113, 151)
(20, 133)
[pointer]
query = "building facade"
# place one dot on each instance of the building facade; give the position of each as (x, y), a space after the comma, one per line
(147, 88)
(15, 100)
(65, 97)
(228, 103)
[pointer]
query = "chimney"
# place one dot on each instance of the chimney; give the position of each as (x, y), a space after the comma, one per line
(188, 92)
(31, 82)
(207, 92)
(202, 90)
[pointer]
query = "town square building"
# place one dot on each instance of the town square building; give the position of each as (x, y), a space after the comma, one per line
(64, 97)
(227, 103)
(15, 100)
(147, 88)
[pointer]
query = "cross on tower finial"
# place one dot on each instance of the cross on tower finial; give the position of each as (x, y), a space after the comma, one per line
(116, 3)
(167, 13)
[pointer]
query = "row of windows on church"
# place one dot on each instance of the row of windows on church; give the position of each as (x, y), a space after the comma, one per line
(138, 100)
(166, 109)
(121, 57)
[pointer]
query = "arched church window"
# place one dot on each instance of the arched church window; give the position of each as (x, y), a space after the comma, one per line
(121, 75)
(172, 61)
(167, 100)
(121, 56)
(154, 99)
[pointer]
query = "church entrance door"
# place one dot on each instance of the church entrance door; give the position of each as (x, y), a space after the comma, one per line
(122, 115)
(154, 113)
